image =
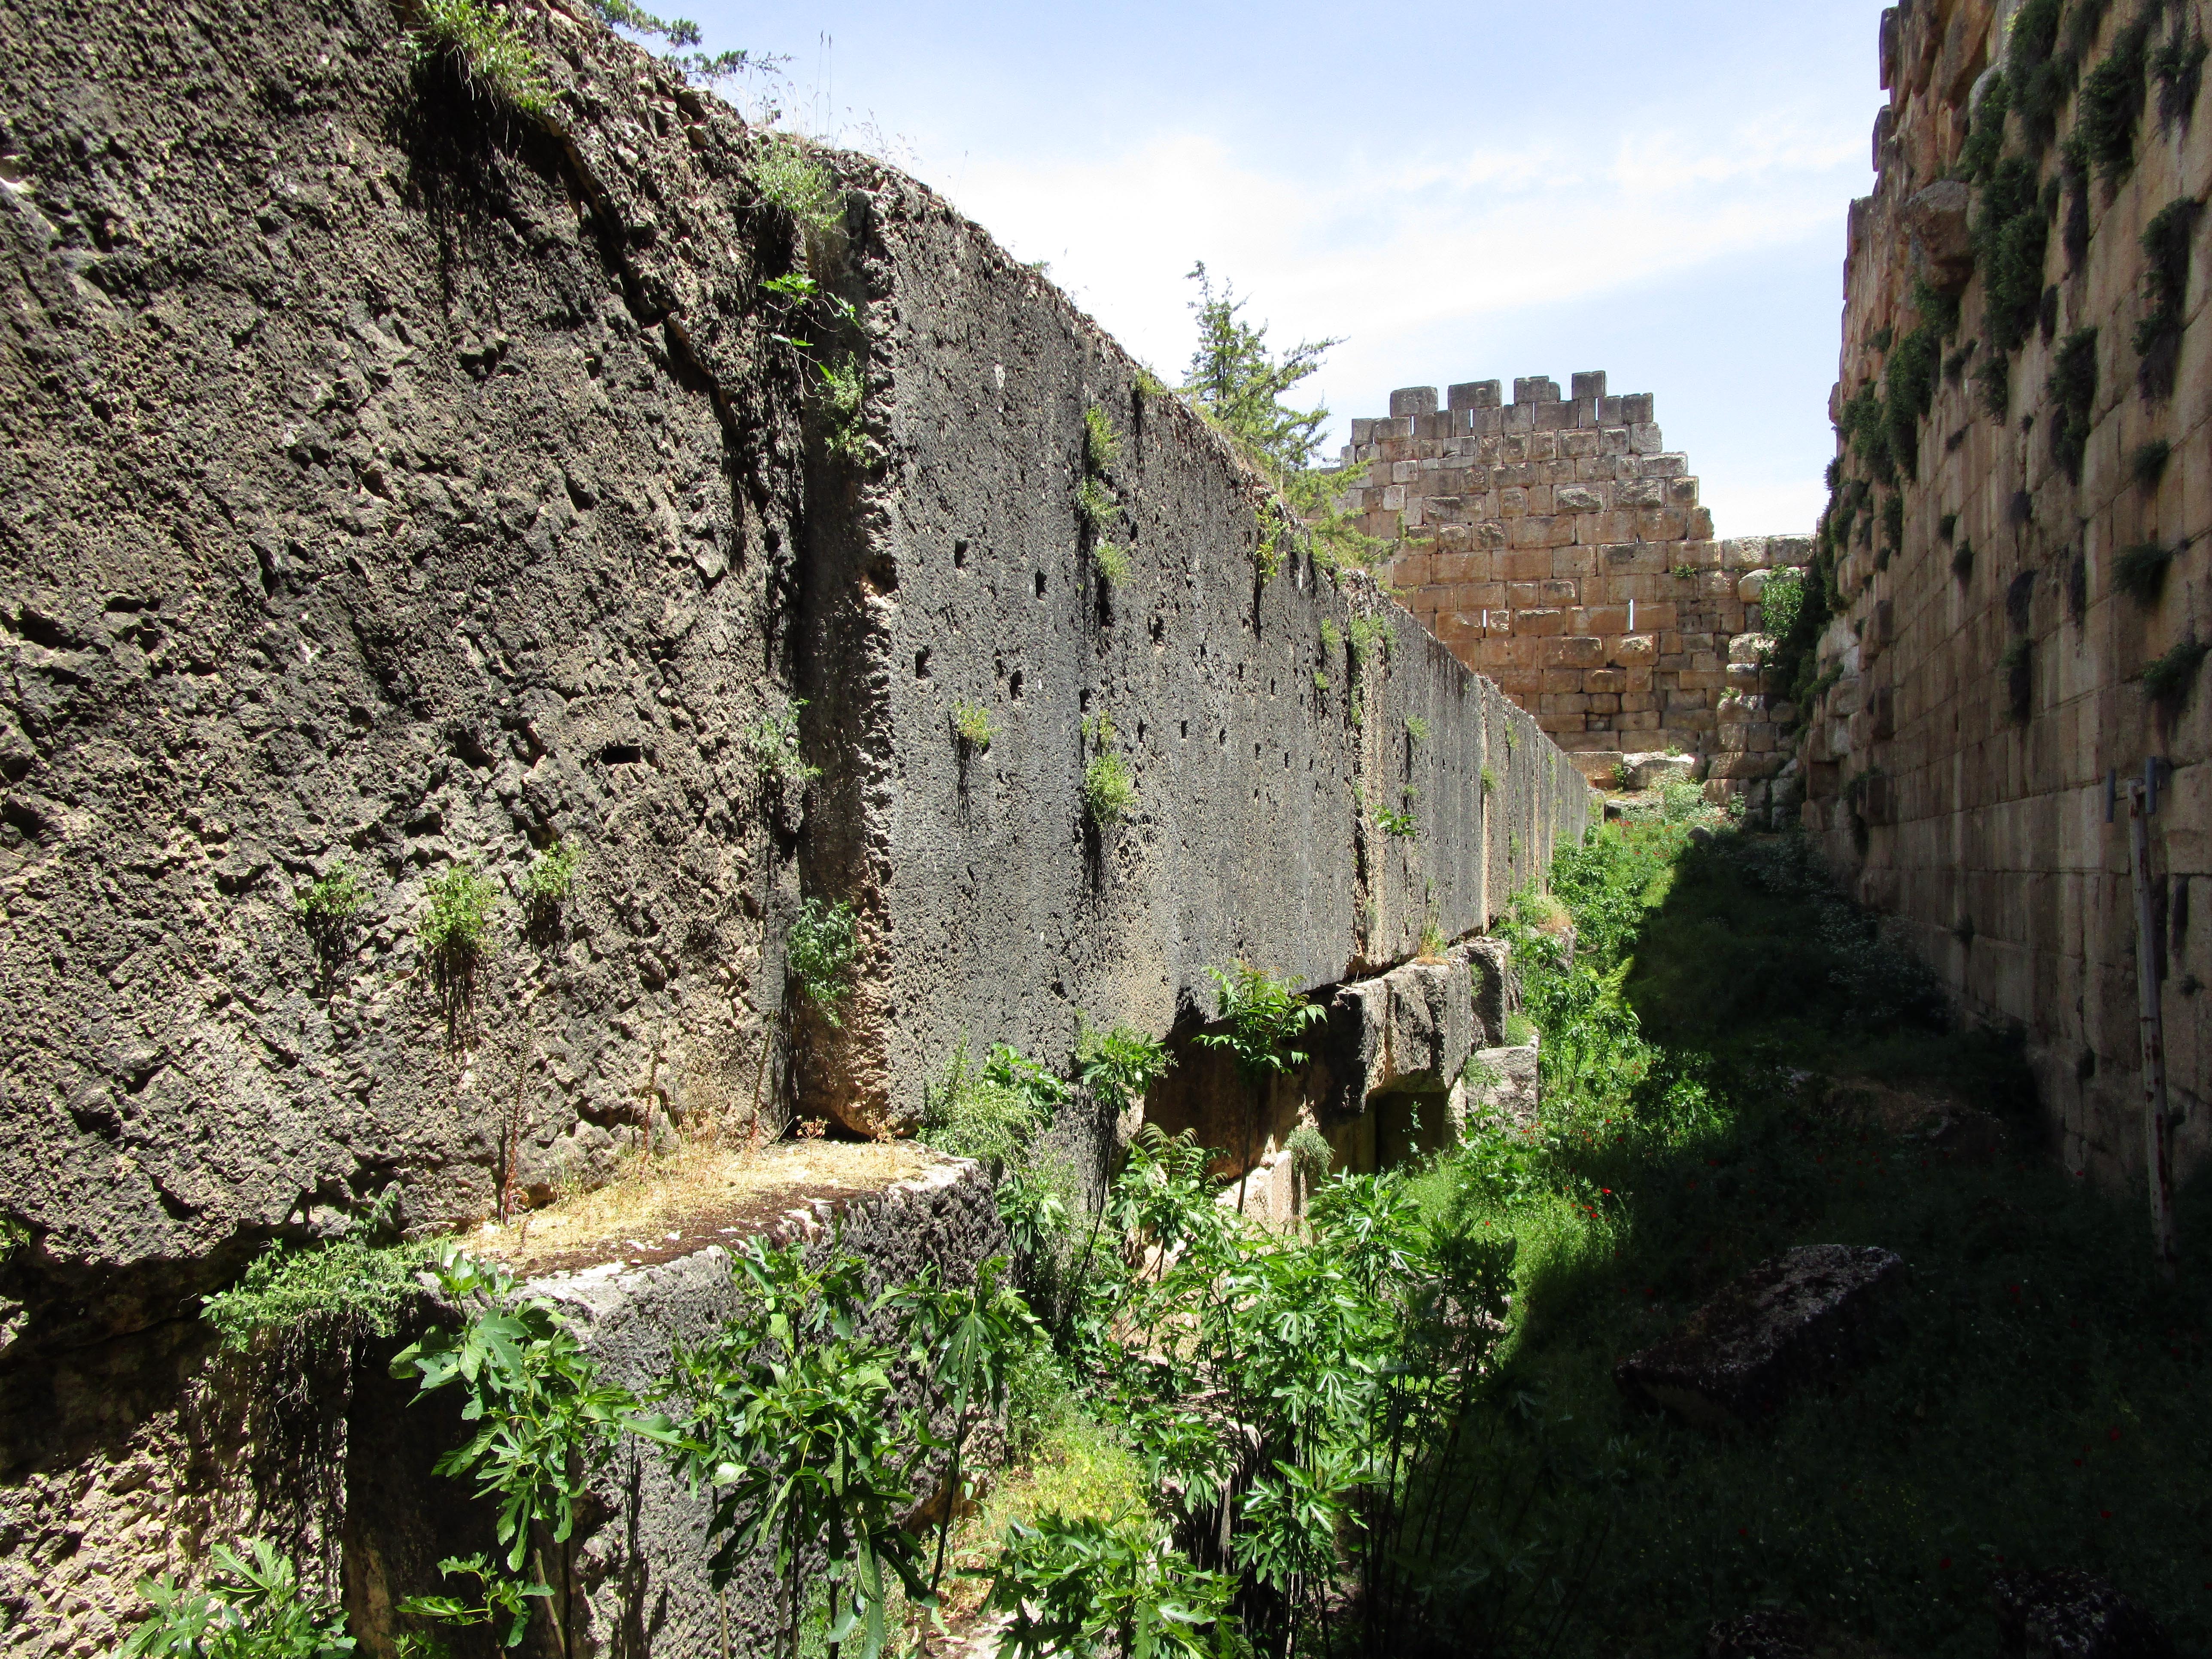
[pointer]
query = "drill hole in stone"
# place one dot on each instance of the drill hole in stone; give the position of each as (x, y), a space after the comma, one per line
(1040, 584)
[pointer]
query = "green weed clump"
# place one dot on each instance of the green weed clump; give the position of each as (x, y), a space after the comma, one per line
(772, 742)
(2169, 679)
(2072, 389)
(1102, 444)
(1113, 563)
(456, 935)
(972, 724)
(487, 50)
(1120, 1063)
(2111, 100)
(789, 175)
(1109, 790)
(2140, 571)
(549, 883)
(252, 1608)
(349, 1286)
(1417, 729)
(2147, 466)
(819, 952)
(840, 400)
(2167, 242)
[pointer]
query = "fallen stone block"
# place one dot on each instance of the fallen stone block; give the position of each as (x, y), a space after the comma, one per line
(1770, 1633)
(1792, 1321)
(2065, 1614)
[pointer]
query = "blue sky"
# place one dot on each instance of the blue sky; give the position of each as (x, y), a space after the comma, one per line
(1467, 192)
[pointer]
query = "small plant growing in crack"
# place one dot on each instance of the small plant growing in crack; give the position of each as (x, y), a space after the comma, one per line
(547, 886)
(1109, 790)
(1112, 562)
(456, 936)
(773, 741)
(487, 50)
(839, 397)
(790, 176)
(326, 908)
(972, 726)
(1417, 729)
(819, 953)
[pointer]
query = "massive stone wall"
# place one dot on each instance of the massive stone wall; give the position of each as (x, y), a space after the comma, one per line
(390, 479)
(1986, 671)
(1557, 545)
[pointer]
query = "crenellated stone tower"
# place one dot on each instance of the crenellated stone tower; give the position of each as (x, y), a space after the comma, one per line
(1557, 545)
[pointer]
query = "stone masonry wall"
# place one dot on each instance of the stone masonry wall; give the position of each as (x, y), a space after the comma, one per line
(1557, 545)
(390, 479)
(1986, 672)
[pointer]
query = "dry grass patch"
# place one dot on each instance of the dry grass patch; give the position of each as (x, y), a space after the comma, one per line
(661, 1205)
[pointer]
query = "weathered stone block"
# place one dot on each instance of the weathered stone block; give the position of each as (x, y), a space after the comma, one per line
(1413, 400)
(1794, 1321)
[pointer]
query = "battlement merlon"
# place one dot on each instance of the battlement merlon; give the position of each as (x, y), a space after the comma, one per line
(1474, 409)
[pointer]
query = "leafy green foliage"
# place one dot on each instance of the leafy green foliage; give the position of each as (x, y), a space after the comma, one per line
(500, 1599)
(2140, 571)
(2168, 679)
(701, 69)
(2147, 466)
(2010, 235)
(784, 1419)
(772, 742)
(2111, 100)
(1417, 729)
(1112, 562)
(487, 50)
(1369, 636)
(1096, 506)
(973, 726)
(355, 1284)
(2073, 391)
(789, 176)
(545, 1424)
(1489, 780)
(1398, 824)
(818, 954)
(991, 1111)
(1119, 1064)
(1782, 600)
(2178, 63)
(1109, 790)
(1089, 1586)
(2039, 78)
(1265, 1019)
(2167, 240)
(251, 1609)
(1102, 444)
(333, 897)
(455, 936)
(550, 882)
(839, 399)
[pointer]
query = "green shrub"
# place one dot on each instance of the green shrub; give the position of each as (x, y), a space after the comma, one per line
(1121, 1064)
(1401, 825)
(789, 176)
(2009, 240)
(2167, 240)
(1109, 790)
(2073, 390)
(2178, 63)
(357, 1287)
(772, 742)
(818, 954)
(1102, 444)
(2147, 465)
(1112, 562)
(1624, 774)
(456, 935)
(1368, 635)
(251, 1609)
(1417, 729)
(839, 399)
(487, 49)
(2111, 102)
(549, 882)
(2140, 571)
(1265, 1019)
(335, 896)
(2168, 679)
(1962, 560)
(1332, 637)
(1489, 780)
(992, 1110)
(1096, 506)
(1986, 134)
(972, 724)
(1680, 799)
(2039, 81)
(1781, 600)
